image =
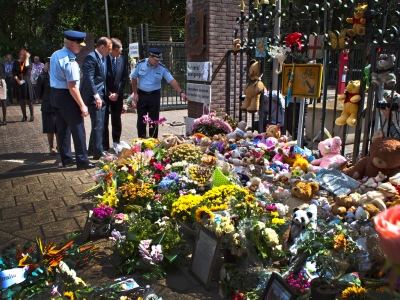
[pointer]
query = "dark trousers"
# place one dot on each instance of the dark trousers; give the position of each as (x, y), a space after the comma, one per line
(113, 109)
(96, 135)
(10, 84)
(148, 104)
(294, 122)
(69, 121)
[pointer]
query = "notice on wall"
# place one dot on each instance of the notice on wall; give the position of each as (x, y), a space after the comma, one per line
(199, 71)
(134, 50)
(199, 92)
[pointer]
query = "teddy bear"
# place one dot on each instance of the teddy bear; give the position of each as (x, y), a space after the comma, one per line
(238, 133)
(300, 162)
(171, 140)
(384, 72)
(358, 20)
(383, 157)
(301, 219)
(331, 158)
(372, 182)
(254, 184)
(205, 143)
(237, 45)
(350, 107)
(304, 191)
(273, 131)
(254, 89)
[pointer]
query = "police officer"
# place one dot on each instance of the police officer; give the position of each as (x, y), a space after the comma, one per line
(67, 101)
(146, 85)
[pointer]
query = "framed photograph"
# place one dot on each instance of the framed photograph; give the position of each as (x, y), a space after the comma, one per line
(205, 255)
(278, 289)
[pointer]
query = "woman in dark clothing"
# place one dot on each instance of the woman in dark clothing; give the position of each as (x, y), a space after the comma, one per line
(22, 85)
(3, 92)
(48, 116)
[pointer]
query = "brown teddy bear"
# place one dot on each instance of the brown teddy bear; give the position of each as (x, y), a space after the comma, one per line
(204, 144)
(273, 131)
(371, 210)
(171, 140)
(253, 90)
(344, 200)
(304, 191)
(358, 21)
(350, 106)
(383, 157)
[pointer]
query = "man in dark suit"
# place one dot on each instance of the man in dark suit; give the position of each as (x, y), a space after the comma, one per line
(117, 73)
(94, 69)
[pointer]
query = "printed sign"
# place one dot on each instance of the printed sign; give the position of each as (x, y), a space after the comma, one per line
(199, 92)
(134, 50)
(307, 80)
(199, 71)
(12, 276)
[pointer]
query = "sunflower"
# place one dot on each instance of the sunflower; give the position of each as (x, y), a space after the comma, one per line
(203, 210)
(69, 295)
(354, 293)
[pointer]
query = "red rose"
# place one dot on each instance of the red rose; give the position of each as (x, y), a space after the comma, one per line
(157, 177)
(293, 39)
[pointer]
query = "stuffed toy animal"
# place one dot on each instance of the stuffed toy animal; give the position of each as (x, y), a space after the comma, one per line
(301, 219)
(237, 45)
(273, 131)
(296, 173)
(307, 154)
(205, 143)
(331, 158)
(300, 162)
(350, 106)
(171, 140)
(304, 191)
(238, 133)
(373, 182)
(358, 21)
(384, 72)
(384, 157)
(254, 89)
(282, 209)
(349, 217)
(395, 180)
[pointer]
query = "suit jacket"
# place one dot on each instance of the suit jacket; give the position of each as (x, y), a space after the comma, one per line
(94, 77)
(116, 84)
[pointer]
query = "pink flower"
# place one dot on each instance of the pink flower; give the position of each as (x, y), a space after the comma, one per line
(387, 224)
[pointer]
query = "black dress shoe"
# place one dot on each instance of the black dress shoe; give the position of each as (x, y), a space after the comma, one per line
(24, 119)
(96, 157)
(31, 119)
(86, 166)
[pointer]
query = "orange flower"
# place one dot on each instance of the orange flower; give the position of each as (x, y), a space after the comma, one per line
(387, 224)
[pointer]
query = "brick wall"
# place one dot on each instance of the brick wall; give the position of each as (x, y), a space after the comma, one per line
(220, 23)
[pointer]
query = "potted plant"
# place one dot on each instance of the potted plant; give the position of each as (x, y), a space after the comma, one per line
(101, 219)
(329, 270)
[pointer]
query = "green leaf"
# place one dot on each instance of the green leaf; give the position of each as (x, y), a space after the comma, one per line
(171, 256)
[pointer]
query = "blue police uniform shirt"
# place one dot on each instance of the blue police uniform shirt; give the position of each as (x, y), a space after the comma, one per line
(63, 69)
(150, 76)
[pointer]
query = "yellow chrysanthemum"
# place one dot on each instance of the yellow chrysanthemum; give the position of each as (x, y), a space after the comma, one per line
(203, 210)
(274, 214)
(352, 292)
(277, 221)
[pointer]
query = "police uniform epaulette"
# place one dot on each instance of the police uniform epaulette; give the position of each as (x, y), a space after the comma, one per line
(140, 61)
(162, 65)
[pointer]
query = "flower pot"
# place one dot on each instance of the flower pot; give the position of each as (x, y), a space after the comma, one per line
(323, 290)
(187, 229)
(101, 227)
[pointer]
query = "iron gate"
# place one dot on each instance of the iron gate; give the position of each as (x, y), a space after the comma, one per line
(171, 40)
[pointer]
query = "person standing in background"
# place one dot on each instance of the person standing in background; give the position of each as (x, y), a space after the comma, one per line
(94, 70)
(3, 92)
(37, 69)
(48, 116)
(9, 77)
(22, 83)
(117, 74)
(67, 101)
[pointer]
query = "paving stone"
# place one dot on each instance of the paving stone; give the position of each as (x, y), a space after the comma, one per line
(57, 193)
(5, 184)
(5, 238)
(87, 179)
(41, 187)
(69, 212)
(73, 173)
(18, 241)
(60, 227)
(67, 182)
(31, 197)
(81, 220)
(37, 219)
(17, 211)
(30, 234)
(56, 239)
(10, 225)
(19, 190)
(7, 202)
(74, 199)
(79, 189)
(25, 181)
(49, 204)
(45, 178)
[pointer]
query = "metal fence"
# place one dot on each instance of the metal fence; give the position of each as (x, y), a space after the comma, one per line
(171, 40)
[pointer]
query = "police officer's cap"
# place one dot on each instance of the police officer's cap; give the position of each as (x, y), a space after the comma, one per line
(156, 53)
(75, 36)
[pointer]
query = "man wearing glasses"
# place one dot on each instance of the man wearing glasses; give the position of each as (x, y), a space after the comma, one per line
(67, 101)
(117, 74)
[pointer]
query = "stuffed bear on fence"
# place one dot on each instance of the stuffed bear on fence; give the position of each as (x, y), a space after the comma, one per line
(253, 90)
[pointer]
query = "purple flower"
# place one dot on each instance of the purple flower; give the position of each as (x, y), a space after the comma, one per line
(173, 176)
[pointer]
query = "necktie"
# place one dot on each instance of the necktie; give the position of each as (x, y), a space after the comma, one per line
(113, 65)
(104, 66)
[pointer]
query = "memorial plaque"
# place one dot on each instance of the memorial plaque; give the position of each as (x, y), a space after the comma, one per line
(204, 256)
(199, 92)
(277, 288)
(199, 71)
(194, 30)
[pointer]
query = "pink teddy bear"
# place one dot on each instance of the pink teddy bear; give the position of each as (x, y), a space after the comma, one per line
(330, 149)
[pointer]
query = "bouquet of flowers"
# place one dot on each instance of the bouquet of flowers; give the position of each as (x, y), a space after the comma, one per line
(103, 212)
(299, 282)
(200, 173)
(210, 125)
(140, 194)
(185, 152)
(183, 208)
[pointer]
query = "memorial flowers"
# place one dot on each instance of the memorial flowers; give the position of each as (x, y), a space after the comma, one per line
(200, 174)
(182, 208)
(210, 125)
(184, 152)
(136, 194)
(103, 211)
(354, 293)
(299, 282)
